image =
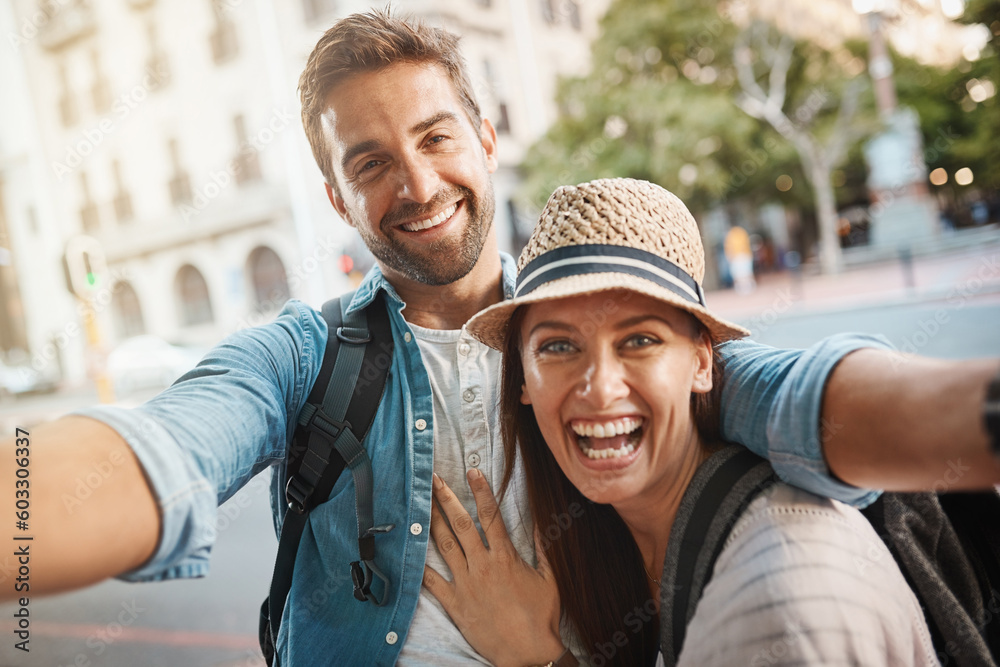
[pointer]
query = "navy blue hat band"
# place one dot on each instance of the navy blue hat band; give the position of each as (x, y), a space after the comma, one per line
(578, 260)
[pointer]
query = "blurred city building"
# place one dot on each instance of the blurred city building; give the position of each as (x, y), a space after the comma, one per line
(170, 133)
(924, 30)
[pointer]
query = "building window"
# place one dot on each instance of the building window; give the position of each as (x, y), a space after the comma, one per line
(156, 65)
(246, 163)
(123, 200)
(270, 283)
(503, 120)
(223, 38)
(67, 105)
(180, 182)
(548, 11)
(89, 216)
(573, 12)
(127, 312)
(193, 302)
(100, 89)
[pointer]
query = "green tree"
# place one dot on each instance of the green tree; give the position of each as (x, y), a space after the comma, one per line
(657, 105)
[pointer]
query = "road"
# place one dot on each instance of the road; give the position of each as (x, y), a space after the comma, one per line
(213, 621)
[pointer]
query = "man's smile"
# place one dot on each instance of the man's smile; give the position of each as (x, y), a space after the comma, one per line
(428, 223)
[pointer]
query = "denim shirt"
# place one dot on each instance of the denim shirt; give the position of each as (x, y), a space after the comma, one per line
(231, 417)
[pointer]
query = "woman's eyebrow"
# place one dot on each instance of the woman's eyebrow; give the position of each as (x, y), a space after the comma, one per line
(551, 324)
(639, 319)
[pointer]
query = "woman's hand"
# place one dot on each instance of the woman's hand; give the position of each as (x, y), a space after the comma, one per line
(507, 610)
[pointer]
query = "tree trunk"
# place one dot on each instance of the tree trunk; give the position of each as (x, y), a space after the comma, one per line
(830, 257)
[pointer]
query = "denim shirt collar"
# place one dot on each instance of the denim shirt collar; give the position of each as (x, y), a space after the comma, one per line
(375, 281)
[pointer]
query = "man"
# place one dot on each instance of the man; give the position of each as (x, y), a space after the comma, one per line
(395, 128)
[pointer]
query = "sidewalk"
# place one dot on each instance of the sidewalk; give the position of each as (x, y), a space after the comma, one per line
(953, 277)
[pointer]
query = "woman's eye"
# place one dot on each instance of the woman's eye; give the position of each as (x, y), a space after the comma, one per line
(556, 347)
(641, 340)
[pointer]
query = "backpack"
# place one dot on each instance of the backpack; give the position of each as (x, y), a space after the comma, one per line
(331, 426)
(947, 546)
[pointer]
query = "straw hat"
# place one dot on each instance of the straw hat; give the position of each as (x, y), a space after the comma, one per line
(616, 233)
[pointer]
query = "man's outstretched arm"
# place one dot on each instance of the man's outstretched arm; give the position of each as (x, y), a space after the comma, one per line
(850, 414)
(91, 513)
(906, 423)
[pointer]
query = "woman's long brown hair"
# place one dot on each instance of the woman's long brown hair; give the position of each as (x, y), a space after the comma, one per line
(596, 563)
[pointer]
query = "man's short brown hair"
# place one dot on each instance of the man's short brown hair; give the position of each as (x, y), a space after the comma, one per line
(369, 42)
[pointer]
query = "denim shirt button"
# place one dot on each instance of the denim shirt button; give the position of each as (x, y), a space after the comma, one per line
(416, 529)
(420, 424)
(407, 337)
(391, 638)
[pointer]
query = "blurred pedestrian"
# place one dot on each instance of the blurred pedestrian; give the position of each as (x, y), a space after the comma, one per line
(740, 259)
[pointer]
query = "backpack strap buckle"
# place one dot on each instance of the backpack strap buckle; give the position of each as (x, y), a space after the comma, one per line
(296, 494)
(354, 335)
(363, 578)
(322, 436)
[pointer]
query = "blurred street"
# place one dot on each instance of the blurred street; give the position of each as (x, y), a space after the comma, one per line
(952, 310)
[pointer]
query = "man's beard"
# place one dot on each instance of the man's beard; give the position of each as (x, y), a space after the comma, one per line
(446, 260)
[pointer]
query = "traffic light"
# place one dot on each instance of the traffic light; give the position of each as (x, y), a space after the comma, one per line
(346, 263)
(84, 265)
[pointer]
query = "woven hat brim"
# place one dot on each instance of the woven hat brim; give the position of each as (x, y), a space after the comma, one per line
(489, 326)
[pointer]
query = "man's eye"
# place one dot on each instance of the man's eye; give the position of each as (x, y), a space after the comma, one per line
(436, 139)
(371, 164)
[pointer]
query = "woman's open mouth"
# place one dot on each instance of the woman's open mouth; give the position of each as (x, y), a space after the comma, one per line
(610, 439)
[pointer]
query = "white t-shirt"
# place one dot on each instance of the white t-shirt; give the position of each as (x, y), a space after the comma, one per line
(465, 380)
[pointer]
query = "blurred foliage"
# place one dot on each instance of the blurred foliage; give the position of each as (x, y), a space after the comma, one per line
(658, 104)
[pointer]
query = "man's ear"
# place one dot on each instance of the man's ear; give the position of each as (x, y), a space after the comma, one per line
(702, 383)
(338, 204)
(488, 137)
(525, 399)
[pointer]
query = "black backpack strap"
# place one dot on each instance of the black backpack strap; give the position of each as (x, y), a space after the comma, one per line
(722, 488)
(338, 414)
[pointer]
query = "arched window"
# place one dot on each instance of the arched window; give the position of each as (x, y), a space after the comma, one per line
(270, 283)
(127, 312)
(192, 297)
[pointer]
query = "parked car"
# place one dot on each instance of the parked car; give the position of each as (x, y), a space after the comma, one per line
(149, 362)
(16, 380)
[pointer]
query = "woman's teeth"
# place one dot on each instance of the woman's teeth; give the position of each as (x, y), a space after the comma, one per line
(608, 453)
(610, 429)
(606, 429)
(431, 222)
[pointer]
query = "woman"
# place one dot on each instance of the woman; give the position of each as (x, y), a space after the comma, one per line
(611, 387)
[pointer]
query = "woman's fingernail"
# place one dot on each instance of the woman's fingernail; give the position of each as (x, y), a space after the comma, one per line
(474, 474)
(437, 481)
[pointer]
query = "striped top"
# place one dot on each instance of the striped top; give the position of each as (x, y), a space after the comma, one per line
(804, 580)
